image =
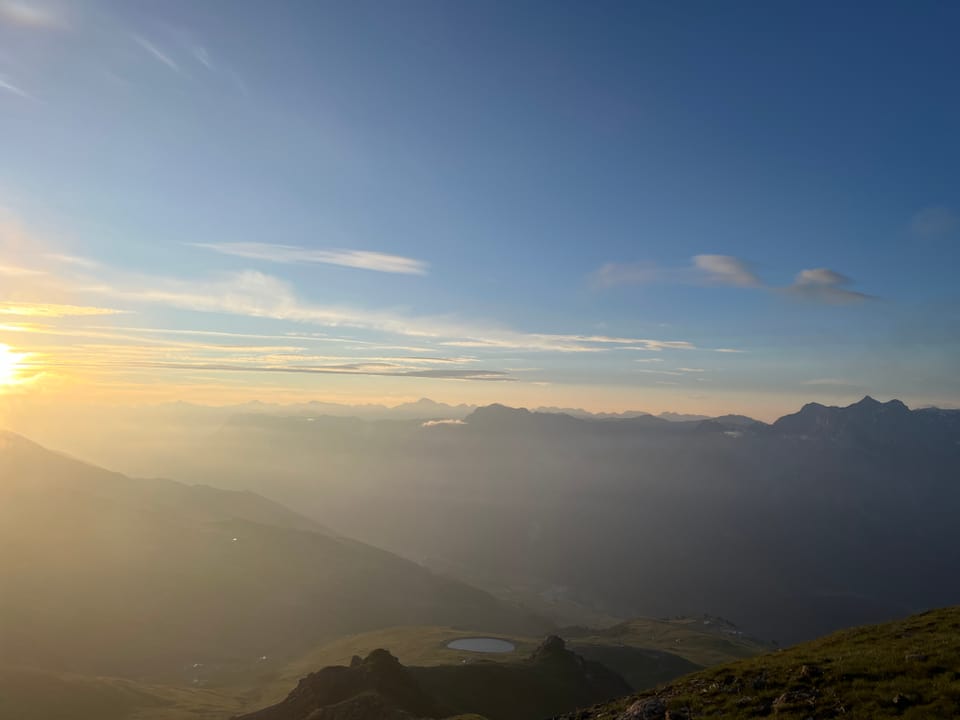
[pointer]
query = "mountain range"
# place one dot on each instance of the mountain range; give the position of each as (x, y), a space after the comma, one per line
(507, 522)
(791, 529)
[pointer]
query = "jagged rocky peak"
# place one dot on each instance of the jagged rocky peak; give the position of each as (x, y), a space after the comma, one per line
(870, 404)
(552, 645)
(378, 677)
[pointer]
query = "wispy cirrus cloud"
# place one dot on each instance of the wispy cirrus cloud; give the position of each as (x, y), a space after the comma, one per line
(292, 254)
(51, 310)
(16, 271)
(74, 260)
(255, 294)
(11, 88)
(370, 369)
(156, 53)
(510, 340)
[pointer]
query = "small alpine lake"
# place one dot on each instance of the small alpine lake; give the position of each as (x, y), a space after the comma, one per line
(482, 645)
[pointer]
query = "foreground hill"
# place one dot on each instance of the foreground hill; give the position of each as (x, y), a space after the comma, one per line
(378, 687)
(905, 669)
(104, 574)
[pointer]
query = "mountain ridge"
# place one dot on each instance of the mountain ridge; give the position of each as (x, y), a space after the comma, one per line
(176, 576)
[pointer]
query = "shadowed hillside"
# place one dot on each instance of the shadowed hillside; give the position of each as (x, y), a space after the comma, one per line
(905, 669)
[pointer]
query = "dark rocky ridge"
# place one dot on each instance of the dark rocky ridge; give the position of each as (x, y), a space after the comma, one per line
(552, 680)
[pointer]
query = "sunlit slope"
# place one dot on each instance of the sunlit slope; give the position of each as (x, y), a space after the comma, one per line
(27, 694)
(905, 669)
(104, 574)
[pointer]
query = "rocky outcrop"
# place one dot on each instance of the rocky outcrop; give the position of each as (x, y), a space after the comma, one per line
(375, 688)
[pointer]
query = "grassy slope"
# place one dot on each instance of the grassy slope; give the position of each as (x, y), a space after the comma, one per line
(690, 638)
(27, 694)
(908, 669)
(670, 648)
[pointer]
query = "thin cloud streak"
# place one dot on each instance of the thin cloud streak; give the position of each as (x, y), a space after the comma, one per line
(51, 310)
(372, 369)
(156, 53)
(10, 87)
(254, 294)
(292, 254)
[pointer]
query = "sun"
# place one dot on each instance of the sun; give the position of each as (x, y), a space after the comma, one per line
(9, 366)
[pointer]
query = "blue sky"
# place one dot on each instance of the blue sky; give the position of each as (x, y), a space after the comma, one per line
(554, 203)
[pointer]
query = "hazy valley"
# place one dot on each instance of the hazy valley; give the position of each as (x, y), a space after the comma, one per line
(207, 601)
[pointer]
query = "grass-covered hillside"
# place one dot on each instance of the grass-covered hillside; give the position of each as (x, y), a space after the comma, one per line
(644, 651)
(908, 669)
(27, 694)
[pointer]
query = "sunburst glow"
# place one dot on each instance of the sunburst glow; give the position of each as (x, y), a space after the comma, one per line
(10, 366)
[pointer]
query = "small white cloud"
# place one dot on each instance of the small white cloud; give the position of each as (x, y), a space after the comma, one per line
(934, 222)
(291, 254)
(728, 350)
(726, 270)
(825, 285)
(435, 423)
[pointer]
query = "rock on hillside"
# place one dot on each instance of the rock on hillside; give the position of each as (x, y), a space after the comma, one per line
(552, 680)
(377, 687)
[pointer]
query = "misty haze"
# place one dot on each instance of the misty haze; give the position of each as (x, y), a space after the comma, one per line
(479, 361)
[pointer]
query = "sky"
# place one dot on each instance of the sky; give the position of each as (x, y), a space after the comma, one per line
(696, 206)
